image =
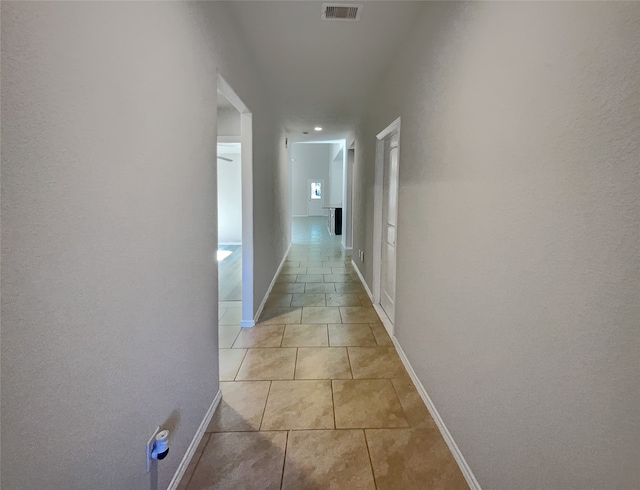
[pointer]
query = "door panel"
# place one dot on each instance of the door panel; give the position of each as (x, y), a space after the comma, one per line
(389, 220)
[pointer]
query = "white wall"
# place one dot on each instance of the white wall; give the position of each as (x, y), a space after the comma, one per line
(519, 233)
(229, 195)
(228, 122)
(311, 162)
(109, 283)
(336, 178)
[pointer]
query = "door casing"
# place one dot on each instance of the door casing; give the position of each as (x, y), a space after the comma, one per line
(246, 141)
(391, 129)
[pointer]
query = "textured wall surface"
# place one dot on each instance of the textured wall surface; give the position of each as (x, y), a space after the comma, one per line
(312, 162)
(518, 288)
(109, 291)
(271, 194)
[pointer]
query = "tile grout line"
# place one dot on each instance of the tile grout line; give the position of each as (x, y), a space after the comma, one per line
(373, 474)
(264, 410)
(349, 362)
(246, 351)
(284, 461)
(200, 458)
(409, 425)
(333, 406)
(295, 364)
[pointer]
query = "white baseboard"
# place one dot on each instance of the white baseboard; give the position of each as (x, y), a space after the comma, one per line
(453, 447)
(364, 283)
(386, 323)
(388, 326)
(273, 281)
(182, 467)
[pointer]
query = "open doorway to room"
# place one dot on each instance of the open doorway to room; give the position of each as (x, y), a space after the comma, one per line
(318, 187)
(235, 221)
(229, 175)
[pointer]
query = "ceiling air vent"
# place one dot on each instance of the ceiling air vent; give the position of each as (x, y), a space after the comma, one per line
(341, 11)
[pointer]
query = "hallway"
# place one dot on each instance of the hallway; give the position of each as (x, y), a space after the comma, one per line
(315, 396)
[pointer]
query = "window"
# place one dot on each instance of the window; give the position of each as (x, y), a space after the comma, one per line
(316, 190)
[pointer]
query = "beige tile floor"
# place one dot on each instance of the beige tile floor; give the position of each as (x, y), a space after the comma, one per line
(315, 396)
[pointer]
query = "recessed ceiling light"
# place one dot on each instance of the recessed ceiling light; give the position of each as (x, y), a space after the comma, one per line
(318, 128)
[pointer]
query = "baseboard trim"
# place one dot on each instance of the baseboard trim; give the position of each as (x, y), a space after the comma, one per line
(364, 283)
(182, 467)
(273, 281)
(386, 323)
(453, 447)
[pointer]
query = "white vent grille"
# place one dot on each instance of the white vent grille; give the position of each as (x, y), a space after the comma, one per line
(341, 11)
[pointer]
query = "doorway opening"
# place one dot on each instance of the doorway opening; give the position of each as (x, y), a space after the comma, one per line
(235, 213)
(348, 199)
(385, 230)
(320, 187)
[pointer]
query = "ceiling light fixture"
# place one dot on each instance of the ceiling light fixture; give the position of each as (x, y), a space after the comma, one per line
(318, 128)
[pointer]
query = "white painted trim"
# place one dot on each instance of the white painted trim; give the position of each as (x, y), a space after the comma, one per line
(377, 221)
(229, 243)
(364, 283)
(246, 159)
(300, 216)
(273, 281)
(186, 459)
(453, 447)
(246, 125)
(231, 95)
(384, 318)
(392, 128)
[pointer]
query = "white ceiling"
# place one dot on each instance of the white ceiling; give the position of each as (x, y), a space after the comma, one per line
(322, 72)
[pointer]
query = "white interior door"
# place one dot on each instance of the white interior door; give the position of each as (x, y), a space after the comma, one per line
(315, 197)
(389, 226)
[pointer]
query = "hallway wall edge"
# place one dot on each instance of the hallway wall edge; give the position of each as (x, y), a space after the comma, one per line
(446, 435)
(188, 455)
(266, 295)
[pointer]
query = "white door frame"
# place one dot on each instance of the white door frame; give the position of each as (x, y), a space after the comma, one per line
(246, 156)
(377, 220)
(347, 198)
